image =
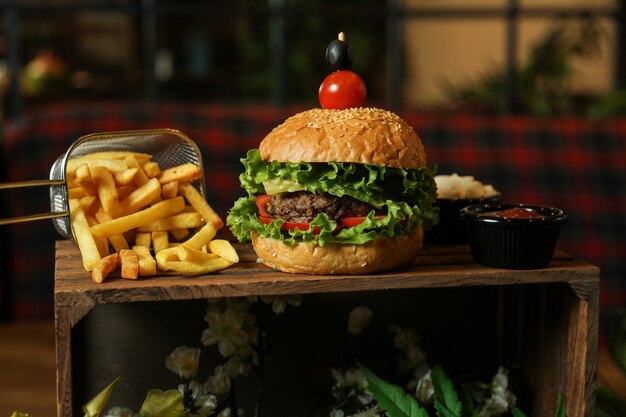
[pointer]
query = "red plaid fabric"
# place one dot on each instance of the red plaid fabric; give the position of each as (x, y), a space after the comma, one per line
(32, 144)
(574, 164)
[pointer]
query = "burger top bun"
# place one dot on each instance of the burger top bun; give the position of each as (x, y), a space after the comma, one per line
(359, 135)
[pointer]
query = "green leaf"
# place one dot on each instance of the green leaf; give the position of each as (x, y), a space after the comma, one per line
(392, 398)
(468, 403)
(163, 404)
(561, 412)
(447, 402)
(517, 412)
(403, 194)
(19, 414)
(95, 406)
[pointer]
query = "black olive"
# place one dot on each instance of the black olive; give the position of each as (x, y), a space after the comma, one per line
(339, 55)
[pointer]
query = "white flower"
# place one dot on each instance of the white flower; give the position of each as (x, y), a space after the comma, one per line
(404, 339)
(351, 383)
(368, 412)
(359, 319)
(120, 412)
(279, 302)
(501, 398)
(225, 330)
(414, 360)
(425, 390)
(240, 363)
(219, 382)
(202, 403)
(183, 361)
(227, 412)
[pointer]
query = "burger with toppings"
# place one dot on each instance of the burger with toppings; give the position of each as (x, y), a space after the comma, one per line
(336, 191)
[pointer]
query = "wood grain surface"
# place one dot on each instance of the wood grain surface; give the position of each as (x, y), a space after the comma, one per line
(445, 266)
(559, 356)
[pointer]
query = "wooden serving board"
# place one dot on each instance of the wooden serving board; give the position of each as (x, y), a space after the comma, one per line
(561, 362)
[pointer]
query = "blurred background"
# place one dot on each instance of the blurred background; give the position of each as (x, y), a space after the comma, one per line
(411, 53)
(529, 95)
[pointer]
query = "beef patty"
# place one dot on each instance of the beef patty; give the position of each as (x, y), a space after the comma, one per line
(302, 206)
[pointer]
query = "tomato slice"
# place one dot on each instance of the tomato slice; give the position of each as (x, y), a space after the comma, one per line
(355, 221)
(261, 202)
(291, 225)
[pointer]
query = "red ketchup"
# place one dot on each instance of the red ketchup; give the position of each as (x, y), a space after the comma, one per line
(515, 213)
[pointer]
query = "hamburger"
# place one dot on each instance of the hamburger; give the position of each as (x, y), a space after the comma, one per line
(336, 192)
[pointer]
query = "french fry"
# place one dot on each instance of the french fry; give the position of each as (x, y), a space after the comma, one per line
(119, 197)
(124, 191)
(83, 237)
(166, 256)
(224, 249)
(151, 168)
(193, 255)
(143, 239)
(104, 267)
(160, 241)
(201, 237)
(141, 197)
(147, 264)
(101, 242)
(110, 164)
(198, 267)
(118, 242)
(115, 155)
(169, 190)
(140, 178)
(70, 180)
(124, 177)
(179, 234)
(141, 218)
(180, 173)
(87, 202)
(199, 203)
(177, 221)
(107, 192)
(83, 177)
(76, 192)
(129, 264)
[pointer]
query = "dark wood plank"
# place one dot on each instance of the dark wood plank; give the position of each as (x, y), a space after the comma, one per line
(561, 356)
(439, 267)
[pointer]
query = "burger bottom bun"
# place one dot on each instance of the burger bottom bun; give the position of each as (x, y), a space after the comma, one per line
(380, 254)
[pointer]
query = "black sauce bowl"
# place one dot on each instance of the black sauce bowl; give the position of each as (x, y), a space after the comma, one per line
(513, 243)
(450, 229)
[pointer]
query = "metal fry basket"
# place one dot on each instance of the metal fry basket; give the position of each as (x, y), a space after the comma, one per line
(168, 147)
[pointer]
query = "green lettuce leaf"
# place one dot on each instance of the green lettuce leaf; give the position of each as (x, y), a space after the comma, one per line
(407, 194)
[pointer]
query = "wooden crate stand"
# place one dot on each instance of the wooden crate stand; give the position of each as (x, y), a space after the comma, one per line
(557, 329)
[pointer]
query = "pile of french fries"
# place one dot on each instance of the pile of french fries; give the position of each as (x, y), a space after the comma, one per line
(126, 212)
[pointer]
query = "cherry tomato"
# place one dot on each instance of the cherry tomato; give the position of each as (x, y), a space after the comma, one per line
(355, 221)
(342, 90)
(261, 202)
